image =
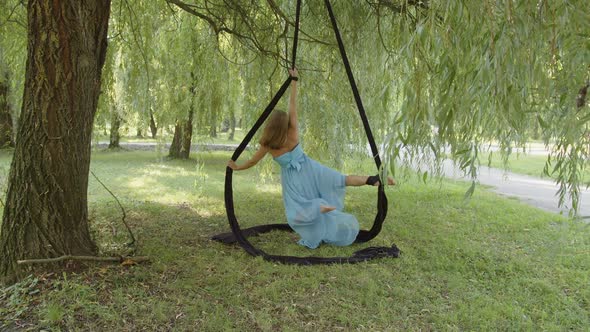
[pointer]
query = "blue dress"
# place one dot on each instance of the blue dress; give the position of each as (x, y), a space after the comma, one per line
(308, 184)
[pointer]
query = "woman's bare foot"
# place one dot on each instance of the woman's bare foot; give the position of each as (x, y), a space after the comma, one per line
(390, 181)
(326, 208)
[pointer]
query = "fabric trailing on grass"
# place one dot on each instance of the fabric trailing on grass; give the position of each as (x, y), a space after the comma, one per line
(240, 236)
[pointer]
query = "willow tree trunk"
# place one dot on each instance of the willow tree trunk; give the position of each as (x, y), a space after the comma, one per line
(180, 147)
(174, 151)
(187, 136)
(213, 129)
(115, 125)
(46, 211)
(214, 113)
(5, 113)
(153, 126)
(232, 126)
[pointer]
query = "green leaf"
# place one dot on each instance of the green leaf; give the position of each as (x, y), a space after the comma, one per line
(470, 191)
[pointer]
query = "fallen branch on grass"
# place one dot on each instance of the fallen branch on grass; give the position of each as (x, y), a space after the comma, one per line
(120, 259)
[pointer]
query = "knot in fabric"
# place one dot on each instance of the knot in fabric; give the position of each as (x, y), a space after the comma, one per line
(296, 164)
(292, 159)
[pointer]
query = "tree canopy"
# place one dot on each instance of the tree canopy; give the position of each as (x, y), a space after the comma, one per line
(438, 77)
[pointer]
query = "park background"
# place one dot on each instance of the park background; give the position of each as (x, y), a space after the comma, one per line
(439, 80)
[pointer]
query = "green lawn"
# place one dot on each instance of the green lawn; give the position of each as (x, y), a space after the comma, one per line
(489, 263)
(521, 163)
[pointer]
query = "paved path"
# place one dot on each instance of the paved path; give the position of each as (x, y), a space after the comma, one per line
(534, 191)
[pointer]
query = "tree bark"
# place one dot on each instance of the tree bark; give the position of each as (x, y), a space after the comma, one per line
(174, 151)
(115, 125)
(213, 129)
(214, 113)
(183, 131)
(232, 126)
(180, 147)
(46, 213)
(6, 134)
(153, 126)
(187, 136)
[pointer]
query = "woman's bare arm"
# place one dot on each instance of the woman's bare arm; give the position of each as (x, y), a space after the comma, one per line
(262, 151)
(293, 104)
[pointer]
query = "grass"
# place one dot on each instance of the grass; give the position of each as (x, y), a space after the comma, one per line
(222, 138)
(489, 263)
(527, 164)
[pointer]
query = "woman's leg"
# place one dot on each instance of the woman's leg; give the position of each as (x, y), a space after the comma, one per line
(327, 208)
(358, 180)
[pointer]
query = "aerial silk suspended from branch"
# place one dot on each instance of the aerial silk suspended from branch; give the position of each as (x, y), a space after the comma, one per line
(240, 236)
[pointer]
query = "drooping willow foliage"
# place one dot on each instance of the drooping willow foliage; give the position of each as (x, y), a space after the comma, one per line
(472, 73)
(13, 40)
(439, 79)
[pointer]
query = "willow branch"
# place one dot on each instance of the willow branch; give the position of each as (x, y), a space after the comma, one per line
(9, 18)
(540, 6)
(189, 9)
(219, 29)
(120, 205)
(381, 33)
(275, 8)
(247, 62)
(404, 7)
(250, 40)
(140, 44)
(216, 28)
(581, 99)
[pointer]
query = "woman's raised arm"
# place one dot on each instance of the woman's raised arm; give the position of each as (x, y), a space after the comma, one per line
(293, 102)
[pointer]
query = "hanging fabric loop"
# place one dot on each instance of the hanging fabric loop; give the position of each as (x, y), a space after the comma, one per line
(240, 236)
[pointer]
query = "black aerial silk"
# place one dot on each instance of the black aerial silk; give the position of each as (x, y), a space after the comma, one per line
(240, 236)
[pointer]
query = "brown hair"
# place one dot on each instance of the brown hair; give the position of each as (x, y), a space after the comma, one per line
(274, 135)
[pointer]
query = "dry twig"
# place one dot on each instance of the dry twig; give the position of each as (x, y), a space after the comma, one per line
(121, 206)
(119, 259)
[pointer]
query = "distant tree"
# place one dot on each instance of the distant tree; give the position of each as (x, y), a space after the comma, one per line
(12, 53)
(6, 132)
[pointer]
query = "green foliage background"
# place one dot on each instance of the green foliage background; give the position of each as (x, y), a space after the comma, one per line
(438, 78)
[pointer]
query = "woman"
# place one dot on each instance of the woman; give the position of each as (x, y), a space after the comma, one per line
(313, 194)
